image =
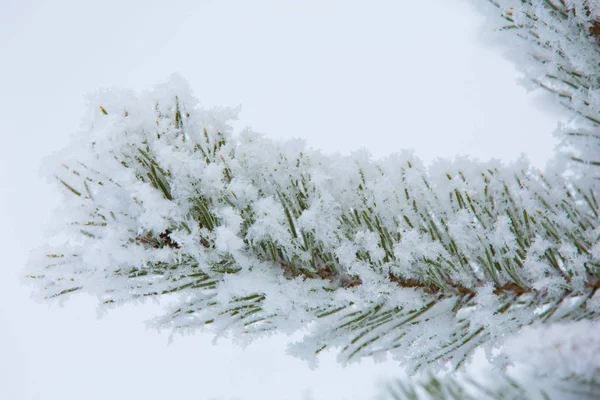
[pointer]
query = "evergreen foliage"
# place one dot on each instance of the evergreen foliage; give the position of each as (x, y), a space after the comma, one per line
(248, 236)
(556, 44)
(494, 386)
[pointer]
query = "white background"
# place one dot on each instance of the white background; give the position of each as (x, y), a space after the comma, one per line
(385, 75)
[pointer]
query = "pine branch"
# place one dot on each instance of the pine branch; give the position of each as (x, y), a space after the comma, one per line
(493, 386)
(248, 236)
(449, 388)
(255, 236)
(556, 44)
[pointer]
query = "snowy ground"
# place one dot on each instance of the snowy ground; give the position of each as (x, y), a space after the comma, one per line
(383, 75)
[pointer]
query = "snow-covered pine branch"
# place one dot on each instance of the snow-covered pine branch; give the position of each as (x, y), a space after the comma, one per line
(556, 45)
(257, 236)
(430, 387)
(492, 386)
(248, 236)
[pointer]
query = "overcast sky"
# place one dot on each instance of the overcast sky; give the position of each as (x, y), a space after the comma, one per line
(385, 75)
